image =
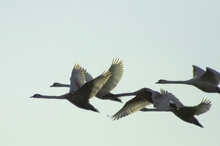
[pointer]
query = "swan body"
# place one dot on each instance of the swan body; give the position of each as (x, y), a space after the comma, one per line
(161, 101)
(77, 80)
(81, 96)
(206, 81)
(186, 113)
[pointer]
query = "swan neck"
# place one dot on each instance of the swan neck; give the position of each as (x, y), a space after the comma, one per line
(177, 82)
(153, 110)
(65, 85)
(123, 94)
(50, 97)
(62, 85)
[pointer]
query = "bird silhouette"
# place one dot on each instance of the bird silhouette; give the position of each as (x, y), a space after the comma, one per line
(81, 96)
(162, 101)
(77, 80)
(206, 81)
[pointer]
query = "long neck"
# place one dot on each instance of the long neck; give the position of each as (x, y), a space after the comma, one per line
(176, 82)
(121, 94)
(153, 110)
(48, 97)
(64, 85)
(60, 85)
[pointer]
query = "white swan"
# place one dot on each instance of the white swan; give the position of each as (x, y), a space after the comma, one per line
(81, 96)
(206, 81)
(77, 81)
(162, 101)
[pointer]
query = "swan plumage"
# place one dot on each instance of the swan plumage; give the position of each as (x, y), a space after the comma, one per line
(79, 77)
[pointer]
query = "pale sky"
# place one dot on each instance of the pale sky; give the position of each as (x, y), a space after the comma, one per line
(40, 41)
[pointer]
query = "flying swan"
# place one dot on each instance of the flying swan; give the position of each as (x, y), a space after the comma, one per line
(206, 81)
(77, 81)
(162, 101)
(81, 96)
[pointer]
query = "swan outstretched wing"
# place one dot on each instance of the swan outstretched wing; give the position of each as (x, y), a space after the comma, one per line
(197, 71)
(199, 109)
(117, 71)
(91, 88)
(217, 74)
(77, 78)
(170, 96)
(135, 104)
(203, 107)
(162, 101)
(88, 77)
(210, 77)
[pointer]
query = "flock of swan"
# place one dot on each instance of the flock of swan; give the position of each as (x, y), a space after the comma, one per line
(83, 86)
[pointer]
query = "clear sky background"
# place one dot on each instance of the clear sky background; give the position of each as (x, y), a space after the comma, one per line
(40, 41)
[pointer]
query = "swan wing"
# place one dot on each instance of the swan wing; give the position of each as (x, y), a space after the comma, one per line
(135, 104)
(187, 111)
(117, 71)
(145, 92)
(77, 78)
(91, 88)
(217, 74)
(163, 102)
(203, 107)
(88, 77)
(209, 76)
(197, 71)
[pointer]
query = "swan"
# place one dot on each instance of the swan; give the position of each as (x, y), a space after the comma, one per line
(162, 101)
(206, 81)
(81, 96)
(186, 113)
(116, 70)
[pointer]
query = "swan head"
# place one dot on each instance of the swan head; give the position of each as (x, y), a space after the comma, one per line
(36, 96)
(161, 81)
